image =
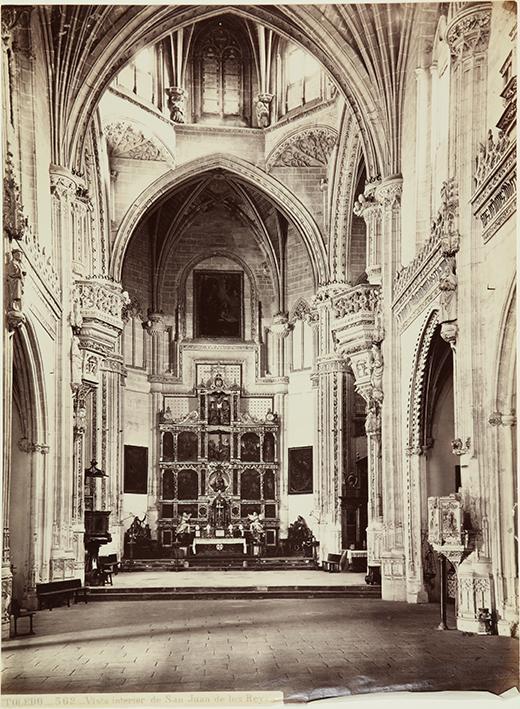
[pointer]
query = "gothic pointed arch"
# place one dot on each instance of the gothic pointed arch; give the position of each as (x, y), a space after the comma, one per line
(133, 28)
(281, 196)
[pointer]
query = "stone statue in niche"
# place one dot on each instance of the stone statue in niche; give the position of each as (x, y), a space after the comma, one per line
(15, 280)
(448, 288)
(376, 377)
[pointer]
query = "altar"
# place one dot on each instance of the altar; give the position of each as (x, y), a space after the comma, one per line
(216, 546)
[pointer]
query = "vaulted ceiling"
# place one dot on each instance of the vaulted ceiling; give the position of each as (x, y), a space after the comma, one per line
(364, 47)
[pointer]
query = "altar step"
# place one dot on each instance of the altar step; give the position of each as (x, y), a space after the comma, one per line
(199, 593)
(211, 563)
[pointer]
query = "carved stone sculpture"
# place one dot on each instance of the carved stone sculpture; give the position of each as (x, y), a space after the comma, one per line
(176, 103)
(448, 288)
(15, 287)
(263, 103)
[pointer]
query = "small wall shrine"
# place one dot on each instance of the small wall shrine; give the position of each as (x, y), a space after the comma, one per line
(219, 467)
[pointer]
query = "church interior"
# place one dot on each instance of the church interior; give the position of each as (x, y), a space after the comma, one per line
(260, 309)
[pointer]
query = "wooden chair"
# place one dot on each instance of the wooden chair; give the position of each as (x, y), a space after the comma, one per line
(17, 612)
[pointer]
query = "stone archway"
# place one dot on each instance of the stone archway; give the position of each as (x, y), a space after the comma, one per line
(26, 500)
(503, 468)
(430, 467)
(284, 199)
(135, 27)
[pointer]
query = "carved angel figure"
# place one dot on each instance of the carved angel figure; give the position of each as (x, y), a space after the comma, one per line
(184, 525)
(255, 526)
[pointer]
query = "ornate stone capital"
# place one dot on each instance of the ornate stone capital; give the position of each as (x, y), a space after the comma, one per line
(388, 192)
(176, 103)
(154, 324)
(468, 32)
(63, 183)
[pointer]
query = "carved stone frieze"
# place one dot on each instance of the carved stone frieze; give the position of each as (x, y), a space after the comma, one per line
(432, 273)
(127, 141)
(358, 320)
(101, 302)
(311, 147)
(494, 199)
(468, 32)
(415, 398)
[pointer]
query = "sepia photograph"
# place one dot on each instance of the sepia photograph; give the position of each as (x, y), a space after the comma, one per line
(259, 353)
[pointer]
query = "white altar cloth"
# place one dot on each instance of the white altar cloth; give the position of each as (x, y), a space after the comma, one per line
(215, 541)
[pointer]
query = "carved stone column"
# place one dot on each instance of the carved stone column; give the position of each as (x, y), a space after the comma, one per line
(467, 35)
(359, 331)
(388, 195)
(280, 327)
(156, 329)
(63, 191)
(330, 407)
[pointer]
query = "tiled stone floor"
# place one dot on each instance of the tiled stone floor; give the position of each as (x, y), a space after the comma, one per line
(308, 648)
(236, 578)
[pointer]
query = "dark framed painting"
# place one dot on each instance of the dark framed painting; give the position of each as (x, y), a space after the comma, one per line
(300, 471)
(136, 470)
(218, 297)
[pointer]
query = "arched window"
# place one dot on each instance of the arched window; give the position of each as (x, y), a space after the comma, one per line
(222, 77)
(303, 78)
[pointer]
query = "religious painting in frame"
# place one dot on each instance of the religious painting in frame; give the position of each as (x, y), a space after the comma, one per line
(218, 297)
(300, 471)
(136, 470)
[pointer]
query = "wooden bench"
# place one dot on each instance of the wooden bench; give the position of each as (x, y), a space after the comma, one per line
(54, 593)
(17, 612)
(332, 563)
(107, 566)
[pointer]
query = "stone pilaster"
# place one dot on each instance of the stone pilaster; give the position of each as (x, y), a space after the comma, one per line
(388, 195)
(330, 406)
(358, 329)
(63, 191)
(155, 327)
(468, 36)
